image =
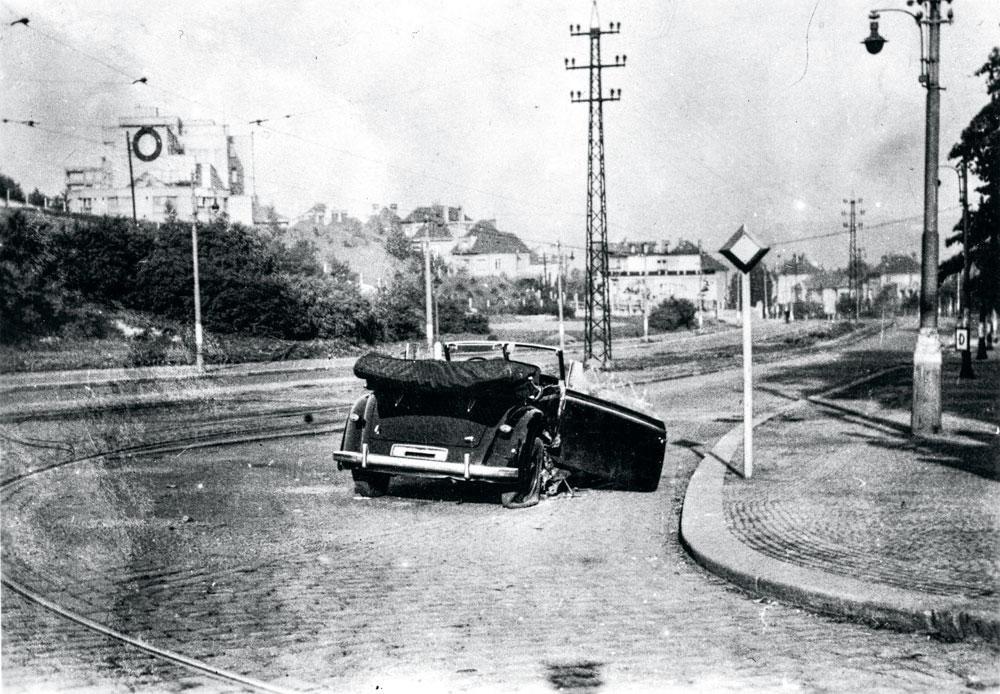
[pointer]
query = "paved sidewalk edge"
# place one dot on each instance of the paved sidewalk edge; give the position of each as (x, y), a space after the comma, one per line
(705, 536)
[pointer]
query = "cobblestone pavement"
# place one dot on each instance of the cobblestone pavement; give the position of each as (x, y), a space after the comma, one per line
(845, 488)
(257, 558)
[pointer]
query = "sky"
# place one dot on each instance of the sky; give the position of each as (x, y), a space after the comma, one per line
(732, 112)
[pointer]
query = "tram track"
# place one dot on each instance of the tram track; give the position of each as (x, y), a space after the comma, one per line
(174, 445)
(268, 425)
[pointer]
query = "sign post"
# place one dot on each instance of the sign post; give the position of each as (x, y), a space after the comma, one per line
(744, 252)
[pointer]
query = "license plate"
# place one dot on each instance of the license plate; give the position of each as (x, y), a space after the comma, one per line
(406, 450)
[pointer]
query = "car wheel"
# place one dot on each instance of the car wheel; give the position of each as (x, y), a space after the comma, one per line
(370, 484)
(529, 490)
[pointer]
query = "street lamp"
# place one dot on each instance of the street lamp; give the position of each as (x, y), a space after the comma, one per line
(926, 408)
(964, 297)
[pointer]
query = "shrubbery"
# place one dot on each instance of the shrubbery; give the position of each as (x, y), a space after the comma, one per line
(672, 314)
(34, 298)
(250, 282)
(400, 308)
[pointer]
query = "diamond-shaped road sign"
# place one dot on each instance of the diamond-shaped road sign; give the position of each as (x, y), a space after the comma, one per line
(743, 250)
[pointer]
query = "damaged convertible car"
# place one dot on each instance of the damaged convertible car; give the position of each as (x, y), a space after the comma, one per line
(499, 413)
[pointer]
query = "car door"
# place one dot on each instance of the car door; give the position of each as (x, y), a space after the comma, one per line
(611, 445)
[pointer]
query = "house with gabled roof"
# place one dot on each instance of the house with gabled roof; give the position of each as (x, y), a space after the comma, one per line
(901, 271)
(794, 275)
(435, 233)
(486, 251)
(451, 218)
(652, 271)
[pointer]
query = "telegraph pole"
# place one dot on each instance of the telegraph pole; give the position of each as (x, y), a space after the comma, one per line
(854, 253)
(597, 321)
(428, 293)
(963, 190)
(199, 360)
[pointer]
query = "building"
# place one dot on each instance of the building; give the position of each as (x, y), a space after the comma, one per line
(435, 232)
(453, 219)
(793, 275)
(650, 271)
(485, 251)
(899, 271)
(176, 167)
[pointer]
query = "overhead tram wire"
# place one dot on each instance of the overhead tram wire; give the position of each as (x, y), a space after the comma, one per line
(344, 151)
(866, 228)
(142, 79)
(422, 174)
(35, 125)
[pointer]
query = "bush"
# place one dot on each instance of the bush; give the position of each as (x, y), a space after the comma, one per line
(102, 259)
(808, 309)
(33, 295)
(672, 314)
(164, 349)
(454, 319)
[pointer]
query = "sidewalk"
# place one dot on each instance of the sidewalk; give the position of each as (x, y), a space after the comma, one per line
(847, 514)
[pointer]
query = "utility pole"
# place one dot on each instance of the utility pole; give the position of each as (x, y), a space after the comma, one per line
(854, 268)
(559, 288)
(131, 174)
(597, 320)
(429, 306)
(701, 288)
(925, 417)
(963, 192)
(199, 361)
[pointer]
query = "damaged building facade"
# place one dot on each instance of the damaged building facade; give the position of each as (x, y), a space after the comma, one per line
(177, 166)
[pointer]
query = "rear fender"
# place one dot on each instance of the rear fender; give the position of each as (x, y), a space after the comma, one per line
(357, 420)
(526, 423)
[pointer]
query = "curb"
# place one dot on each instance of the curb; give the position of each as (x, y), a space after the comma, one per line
(705, 536)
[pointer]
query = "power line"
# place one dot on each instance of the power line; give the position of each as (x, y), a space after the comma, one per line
(597, 320)
(871, 227)
(35, 125)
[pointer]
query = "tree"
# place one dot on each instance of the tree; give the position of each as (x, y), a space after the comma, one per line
(979, 147)
(102, 259)
(33, 297)
(397, 244)
(36, 198)
(8, 186)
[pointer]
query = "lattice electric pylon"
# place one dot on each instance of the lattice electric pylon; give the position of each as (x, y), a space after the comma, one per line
(855, 270)
(597, 319)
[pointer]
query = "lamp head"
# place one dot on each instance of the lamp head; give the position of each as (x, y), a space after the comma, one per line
(874, 42)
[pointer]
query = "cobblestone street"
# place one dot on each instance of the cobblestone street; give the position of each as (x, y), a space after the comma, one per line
(258, 559)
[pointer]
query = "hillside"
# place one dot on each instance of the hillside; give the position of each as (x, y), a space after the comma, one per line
(351, 242)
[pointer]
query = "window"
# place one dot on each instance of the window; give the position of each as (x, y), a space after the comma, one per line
(86, 204)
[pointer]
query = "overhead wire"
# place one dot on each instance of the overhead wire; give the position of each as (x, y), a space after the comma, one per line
(492, 194)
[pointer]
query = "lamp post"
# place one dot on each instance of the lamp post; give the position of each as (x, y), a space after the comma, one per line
(925, 417)
(964, 296)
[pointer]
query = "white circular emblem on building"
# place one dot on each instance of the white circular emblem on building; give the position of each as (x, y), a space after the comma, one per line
(147, 144)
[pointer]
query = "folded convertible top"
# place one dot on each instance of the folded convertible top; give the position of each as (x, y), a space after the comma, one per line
(382, 372)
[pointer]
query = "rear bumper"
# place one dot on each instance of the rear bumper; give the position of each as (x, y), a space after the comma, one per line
(352, 460)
